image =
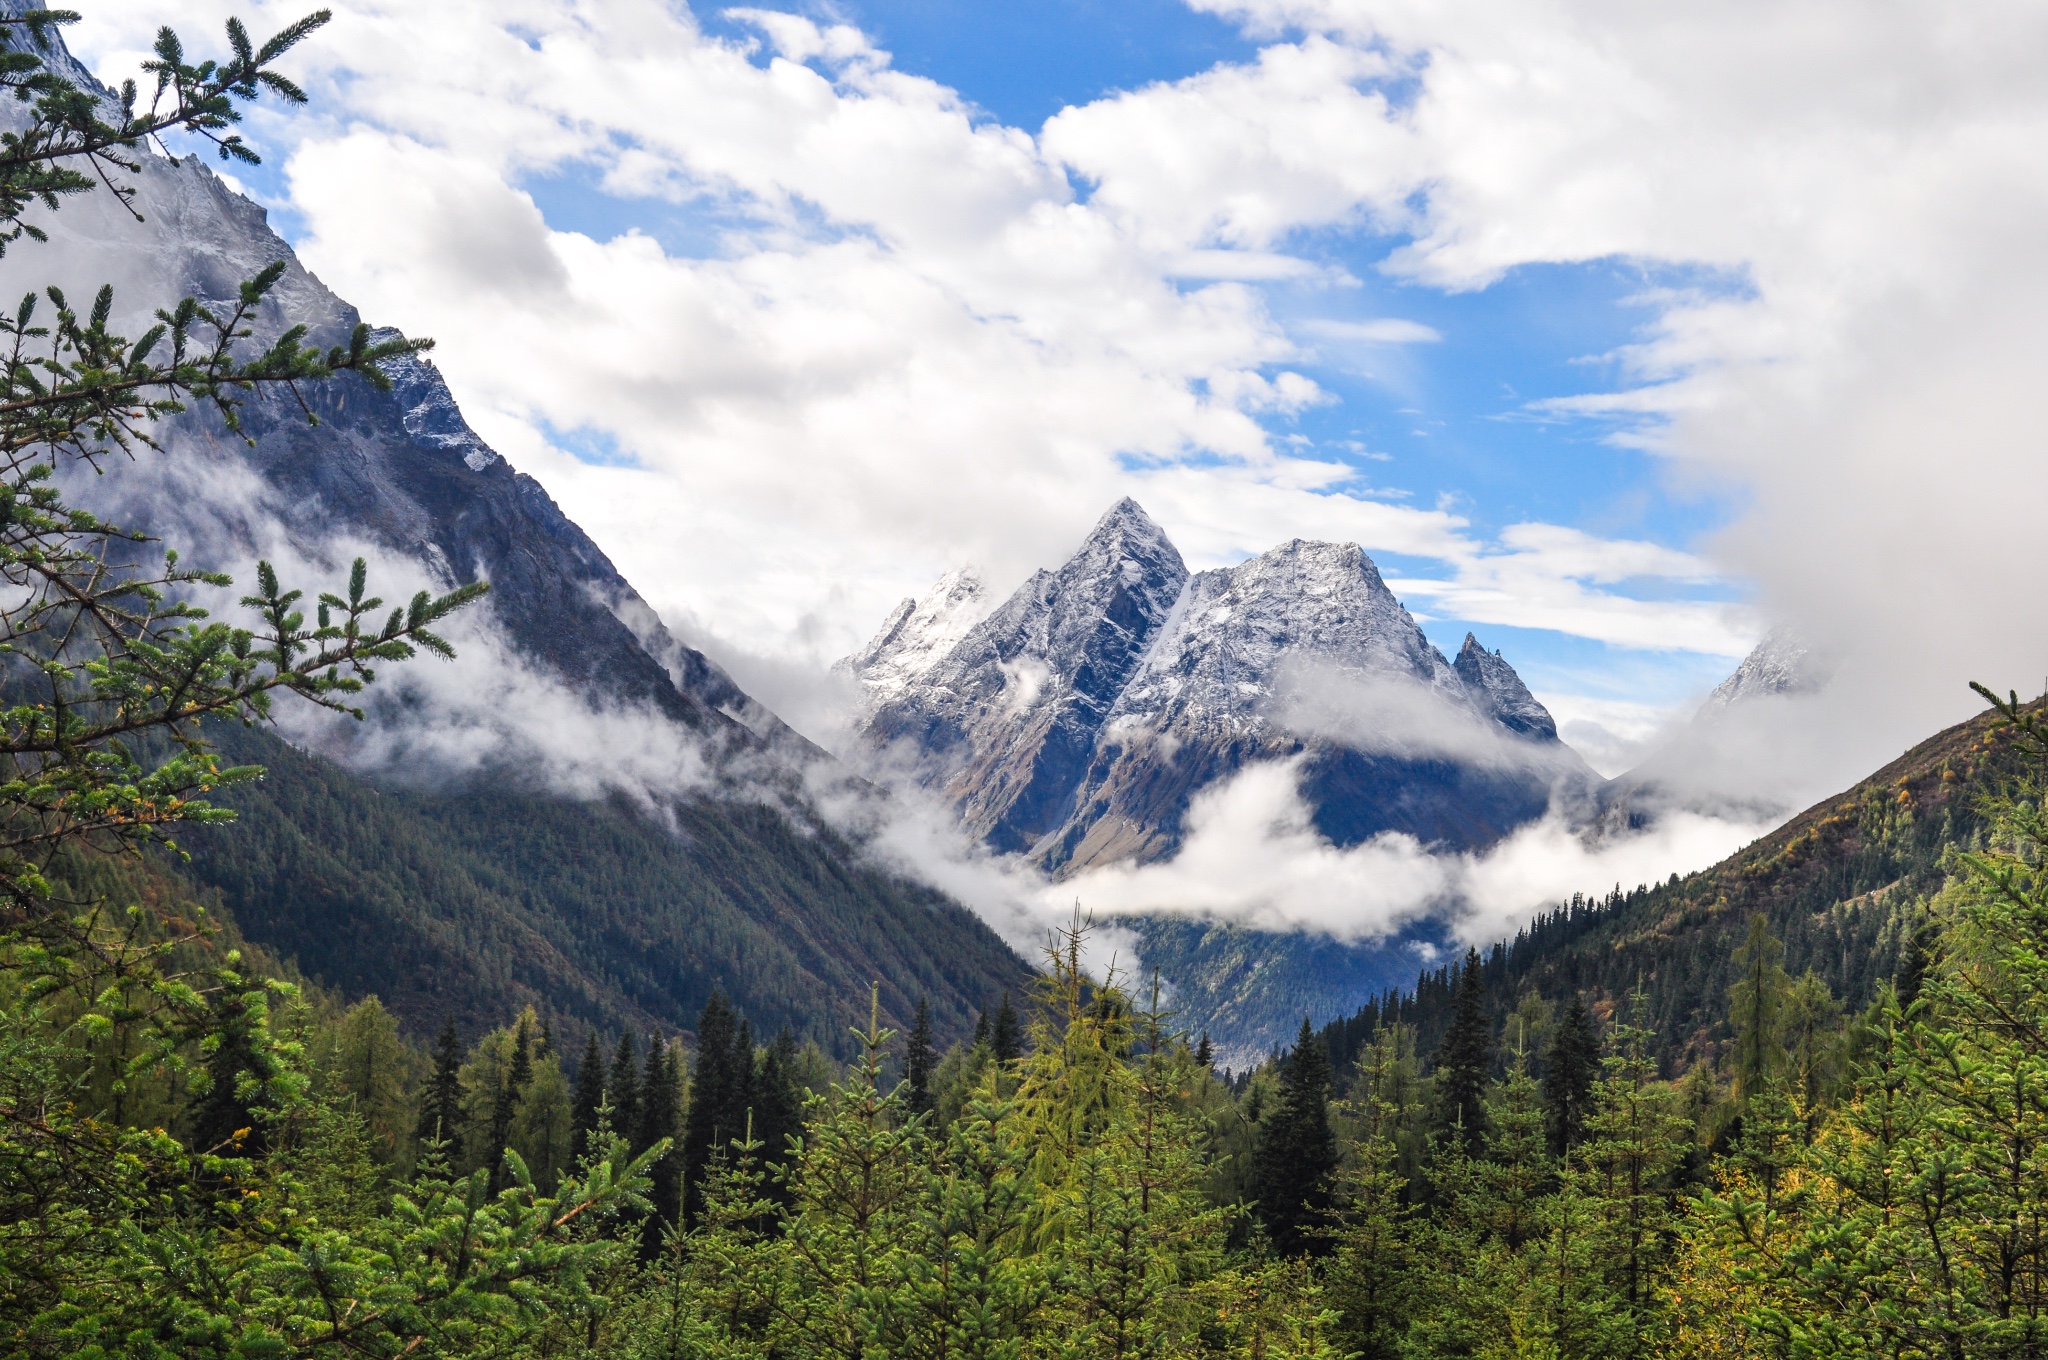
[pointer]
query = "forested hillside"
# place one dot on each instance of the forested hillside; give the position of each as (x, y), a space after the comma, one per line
(1845, 885)
(480, 901)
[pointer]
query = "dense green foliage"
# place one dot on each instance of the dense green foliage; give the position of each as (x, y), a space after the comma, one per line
(1834, 1183)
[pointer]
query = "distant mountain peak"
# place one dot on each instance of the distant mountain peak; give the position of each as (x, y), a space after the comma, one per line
(1500, 693)
(1007, 716)
(1780, 664)
(1218, 659)
(919, 632)
(1076, 721)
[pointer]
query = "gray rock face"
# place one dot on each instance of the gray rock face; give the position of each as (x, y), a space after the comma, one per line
(1497, 691)
(1008, 717)
(1078, 721)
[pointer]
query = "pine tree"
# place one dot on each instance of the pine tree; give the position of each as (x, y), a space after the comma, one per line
(1569, 1070)
(506, 1103)
(918, 1060)
(1205, 1054)
(543, 1128)
(1756, 1005)
(224, 1119)
(708, 1127)
(368, 1067)
(740, 1097)
(778, 1104)
(1464, 1062)
(441, 1111)
(589, 1095)
(660, 1093)
(981, 1031)
(1005, 1039)
(624, 1087)
(1634, 1138)
(1810, 1030)
(1297, 1151)
(653, 1112)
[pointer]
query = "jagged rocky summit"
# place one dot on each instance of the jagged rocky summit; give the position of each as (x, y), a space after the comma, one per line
(1076, 721)
(1781, 664)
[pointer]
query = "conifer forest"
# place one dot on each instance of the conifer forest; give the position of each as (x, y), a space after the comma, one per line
(1793, 1107)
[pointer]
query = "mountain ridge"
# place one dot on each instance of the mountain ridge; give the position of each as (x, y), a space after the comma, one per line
(1211, 671)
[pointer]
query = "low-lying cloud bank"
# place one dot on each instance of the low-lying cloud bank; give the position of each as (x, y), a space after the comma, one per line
(1253, 857)
(489, 712)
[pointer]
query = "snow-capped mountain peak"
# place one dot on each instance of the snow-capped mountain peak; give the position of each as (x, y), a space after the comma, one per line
(918, 633)
(1079, 718)
(1780, 664)
(1219, 657)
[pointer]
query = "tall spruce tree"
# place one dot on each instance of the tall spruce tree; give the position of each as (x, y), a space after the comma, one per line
(1296, 1154)
(918, 1060)
(367, 1067)
(1756, 1008)
(441, 1110)
(739, 1098)
(1464, 1062)
(1570, 1068)
(624, 1086)
(1005, 1038)
(707, 1127)
(660, 1094)
(778, 1104)
(223, 1120)
(653, 1113)
(589, 1097)
(518, 1073)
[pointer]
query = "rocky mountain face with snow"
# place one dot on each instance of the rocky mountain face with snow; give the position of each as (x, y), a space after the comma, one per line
(1008, 717)
(1077, 721)
(1779, 665)
(400, 471)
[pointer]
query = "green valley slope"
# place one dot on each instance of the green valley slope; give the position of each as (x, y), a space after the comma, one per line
(475, 902)
(1844, 884)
